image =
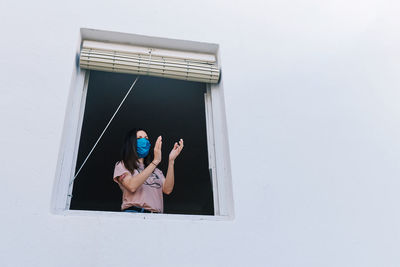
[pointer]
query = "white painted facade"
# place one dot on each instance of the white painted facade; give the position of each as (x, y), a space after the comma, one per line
(311, 93)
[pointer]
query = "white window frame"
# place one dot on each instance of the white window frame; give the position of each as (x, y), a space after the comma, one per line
(217, 135)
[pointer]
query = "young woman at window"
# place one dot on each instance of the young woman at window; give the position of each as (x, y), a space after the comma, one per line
(141, 182)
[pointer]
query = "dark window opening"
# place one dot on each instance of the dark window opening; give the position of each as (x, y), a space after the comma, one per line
(172, 108)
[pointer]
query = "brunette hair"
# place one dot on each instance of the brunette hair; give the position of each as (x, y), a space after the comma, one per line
(129, 155)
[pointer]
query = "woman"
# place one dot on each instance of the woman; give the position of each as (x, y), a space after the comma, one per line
(141, 182)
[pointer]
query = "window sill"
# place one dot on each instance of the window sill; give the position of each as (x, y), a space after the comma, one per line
(143, 216)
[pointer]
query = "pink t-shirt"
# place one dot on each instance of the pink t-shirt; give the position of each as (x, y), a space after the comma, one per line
(149, 195)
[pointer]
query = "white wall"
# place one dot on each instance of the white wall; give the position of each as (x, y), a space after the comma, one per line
(312, 100)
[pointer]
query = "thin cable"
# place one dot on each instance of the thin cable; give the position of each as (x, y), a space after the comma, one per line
(133, 84)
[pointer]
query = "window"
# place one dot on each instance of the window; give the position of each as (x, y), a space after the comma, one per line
(192, 110)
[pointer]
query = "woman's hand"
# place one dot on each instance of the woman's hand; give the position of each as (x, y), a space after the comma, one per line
(157, 150)
(176, 150)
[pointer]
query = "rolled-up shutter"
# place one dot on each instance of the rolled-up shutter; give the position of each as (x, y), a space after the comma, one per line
(141, 60)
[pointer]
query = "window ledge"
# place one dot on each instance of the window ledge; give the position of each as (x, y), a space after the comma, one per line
(143, 216)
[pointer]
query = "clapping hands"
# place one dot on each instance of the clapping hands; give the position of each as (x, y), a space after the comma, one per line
(176, 150)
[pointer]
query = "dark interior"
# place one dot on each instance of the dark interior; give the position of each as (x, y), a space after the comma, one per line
(171, 108)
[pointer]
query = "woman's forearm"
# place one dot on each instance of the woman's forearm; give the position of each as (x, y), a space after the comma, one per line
(169, 179)
(136, 181)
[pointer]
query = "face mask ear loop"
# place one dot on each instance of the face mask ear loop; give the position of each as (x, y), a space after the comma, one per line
(109, 122)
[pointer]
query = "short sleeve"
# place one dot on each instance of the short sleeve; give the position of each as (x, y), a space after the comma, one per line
(119, 170)
(160, 174)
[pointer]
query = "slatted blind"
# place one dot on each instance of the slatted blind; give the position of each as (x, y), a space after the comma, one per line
(141, 60)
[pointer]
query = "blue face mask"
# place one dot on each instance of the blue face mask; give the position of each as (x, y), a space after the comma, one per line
(142, 147)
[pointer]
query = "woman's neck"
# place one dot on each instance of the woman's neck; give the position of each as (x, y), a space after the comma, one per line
(141, 160)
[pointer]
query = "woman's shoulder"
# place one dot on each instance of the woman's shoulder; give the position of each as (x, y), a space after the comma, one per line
(120, 164)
